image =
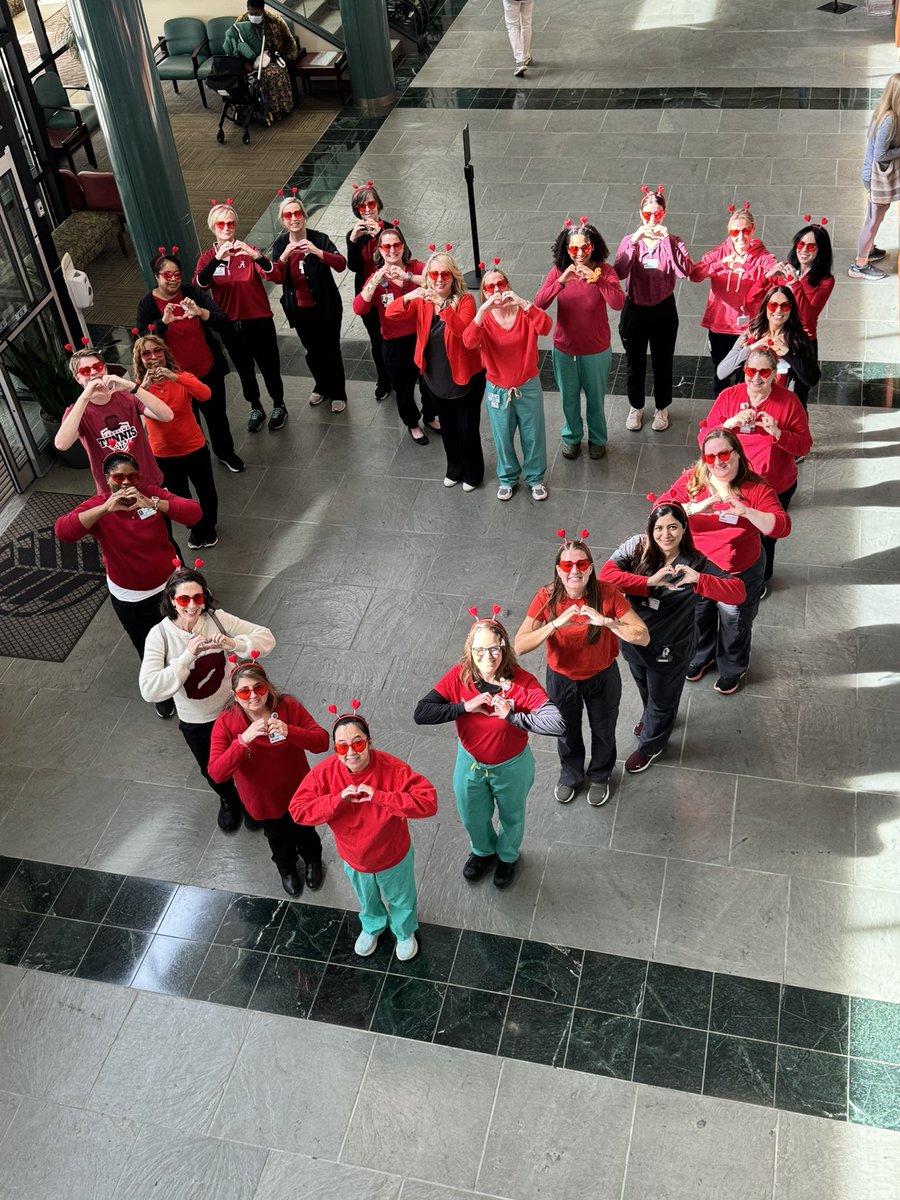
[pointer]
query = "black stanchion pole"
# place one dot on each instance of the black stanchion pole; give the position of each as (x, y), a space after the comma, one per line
(473, 277)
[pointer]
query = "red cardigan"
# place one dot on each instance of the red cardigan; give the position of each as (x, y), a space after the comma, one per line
(510, 356)
(464, 363)
(772, 459)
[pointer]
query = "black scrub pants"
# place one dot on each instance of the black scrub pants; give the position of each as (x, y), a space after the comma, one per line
(600, 696)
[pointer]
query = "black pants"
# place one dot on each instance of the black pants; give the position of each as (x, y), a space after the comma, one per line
(720, 346)
(401, 366)
(321, 340)
(660, 688)
(137, 617)
(461, 427)
(724, 630)
(801, 390)
(214, 413)
(180, 472)
(253, 344)
(656, 326)
(768, 543)
(289, 841)
(600, 695)
(372, 323)
(198, 737)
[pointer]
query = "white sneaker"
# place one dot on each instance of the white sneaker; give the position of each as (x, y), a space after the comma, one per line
(635, 418)
(468, 487)
(539, 492)
(660, 419)
(338, 405)
(316, 398)
(504, 492)
(366, 944)
(407, 948)
(448, 482)
(521, 68)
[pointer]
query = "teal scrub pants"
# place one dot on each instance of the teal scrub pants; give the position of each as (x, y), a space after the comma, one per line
(509, 409)
(576, 374)
(480, 788)
(387, 898)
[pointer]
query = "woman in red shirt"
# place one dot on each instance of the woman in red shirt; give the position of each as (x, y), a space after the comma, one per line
(233, 273)
(777, 326)
(581, 621)
(179, 446)
(495, 705)
(260, 741)
(729, 507)
(367, 798)
(367, 208)
(583, 285)
(397, 273)
(506, 329)
(453, 375)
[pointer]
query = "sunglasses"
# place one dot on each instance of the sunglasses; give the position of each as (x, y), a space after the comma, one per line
(490, 288)
(184, 601)
(391, 247)
(440, 276)
(720, 456)
(370, 207)
(293, 216)
(577, 251)
(655, 214)
(226, 224)
(154, 352)
(244, 693)
(97, 369)
(121, 477)
(576, 564)
(171, 276)
(801, 246)
(493, 651)
(762, 372)
(357, 745)
(739, 233)
(773, 306)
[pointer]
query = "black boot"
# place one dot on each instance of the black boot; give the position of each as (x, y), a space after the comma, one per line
(229, 816)
(290, 880)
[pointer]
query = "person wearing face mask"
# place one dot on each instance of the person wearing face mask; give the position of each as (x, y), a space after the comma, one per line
(233, 272)
(495, 705)
(650, 261)
(259, 32)
(367, 798)
(452, 373)
(191, 324)
(662, 573)
(729, 508)
(733, 269)
(777, 327)
(367, 208)
(304, 261)
(583, 285)
(772, 427)
(581, 621)
(258, 745)
(179, 446)
(397, 273)
(184, 662)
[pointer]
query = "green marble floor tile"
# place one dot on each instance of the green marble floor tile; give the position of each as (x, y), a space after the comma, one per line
(228, 975)
(875, 1030)
(536, 1031)
(668, 1056)
(287, 986)
(602, 1043)
(170, 966)
(809, 1082)
(58, 946)
(815, 1020)
(740, 1069)
(408, 1008)
(471, 1020)
(548, 972)
(437, 950)
(677, 995)
(485, 960)
(874, 1094)
(745, 1007)
(612, 984)
(308, 931)
(347, 996)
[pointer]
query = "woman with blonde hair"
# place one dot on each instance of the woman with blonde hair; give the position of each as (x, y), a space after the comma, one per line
(882, 146)
(451, 372)
(233, 272)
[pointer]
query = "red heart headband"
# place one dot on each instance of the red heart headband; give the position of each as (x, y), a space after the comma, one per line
(732, 209)
(583, 225)
(359, 186)
(654, 500)
(495, 261)
(354, 705)
(163, 251)
(823, 221)
(236, 663)
(178, 564)
(495, 613)
(215, 203)
(658, 191)
(70, 349)
(582, 537)
(447, 248)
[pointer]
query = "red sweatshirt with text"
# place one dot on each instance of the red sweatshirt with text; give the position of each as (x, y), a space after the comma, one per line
(731, 284)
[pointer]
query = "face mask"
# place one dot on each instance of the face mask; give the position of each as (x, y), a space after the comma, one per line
(255, 20)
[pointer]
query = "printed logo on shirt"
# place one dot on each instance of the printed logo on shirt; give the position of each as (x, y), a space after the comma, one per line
(119, 438)
(205, 676)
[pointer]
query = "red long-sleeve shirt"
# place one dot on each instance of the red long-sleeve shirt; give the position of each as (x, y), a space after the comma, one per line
(486, 738)
(734, 548)
(373, 835)
(265, 773)
(724, 589)
(772, 458)
(399, 325)
(464, 363)
(730, 285)
(181, 435)
(510, 356)
(235, 285)
(582, 324)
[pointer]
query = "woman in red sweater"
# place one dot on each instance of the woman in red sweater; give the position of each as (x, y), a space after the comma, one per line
(260, 741)
(583, 286)
(733, 268)
(506, 329)
(772, 427)
(452, 373)
(367, 224)
(397, 273)
(233, 273)
(728, 507)
(367, 798)
(179, 446)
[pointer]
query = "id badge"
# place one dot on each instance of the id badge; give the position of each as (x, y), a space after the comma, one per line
(494, 400)
(653, 603)
(742, 321)
(782, 368)
(221, 269)
(386, 299)
(144, 513)
(651, 264)
(728, 518)
(746, 428)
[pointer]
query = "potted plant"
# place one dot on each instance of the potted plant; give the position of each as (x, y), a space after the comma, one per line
(43, 374)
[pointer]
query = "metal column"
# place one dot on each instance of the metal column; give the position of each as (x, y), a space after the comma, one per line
(368, 44)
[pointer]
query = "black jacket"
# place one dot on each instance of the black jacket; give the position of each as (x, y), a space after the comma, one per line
(148, 314)
(319, 278)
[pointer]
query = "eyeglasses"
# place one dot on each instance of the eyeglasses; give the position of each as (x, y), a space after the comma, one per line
(490, 288)
(720, 456)
(171, 276)
(244, 693)
(576, 251)
(372, 206)
(226, 224)
(801, 246)
(481, 651)
(773, 306)
(357, 745)
(762, 372)
(121, 477)
(391, 247)
(193, 598)
(743, 232)
(576, 564)
(440, 276)
(98, 368)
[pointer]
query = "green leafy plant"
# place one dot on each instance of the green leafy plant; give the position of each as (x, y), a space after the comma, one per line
(43, 373)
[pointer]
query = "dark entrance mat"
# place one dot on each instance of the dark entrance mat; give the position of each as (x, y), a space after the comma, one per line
(49, 590)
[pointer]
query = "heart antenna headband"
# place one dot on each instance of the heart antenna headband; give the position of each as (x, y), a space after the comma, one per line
(495, 613)
(820, 224)
(281, 192)
(582, 537)
(237, 663)
(179, 565)
(359, 186)
(70, 349)
(655, 500)
(581, 227)
(447, 248)
(495, 263)
(215, 203)
(745, 211)
(353, 715)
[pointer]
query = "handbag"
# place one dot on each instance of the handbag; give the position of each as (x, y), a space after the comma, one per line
(884, 187)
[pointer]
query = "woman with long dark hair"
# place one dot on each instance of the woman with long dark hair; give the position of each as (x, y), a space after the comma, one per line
(581, 621)
(777, 327)
(662, 573)
(810, 275)
(367, 208)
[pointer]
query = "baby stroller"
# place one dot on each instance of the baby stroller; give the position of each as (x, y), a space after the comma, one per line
(244, 95)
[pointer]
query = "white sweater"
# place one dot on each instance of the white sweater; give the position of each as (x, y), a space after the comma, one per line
(200, 686)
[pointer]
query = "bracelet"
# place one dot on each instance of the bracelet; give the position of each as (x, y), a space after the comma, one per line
(134, 390)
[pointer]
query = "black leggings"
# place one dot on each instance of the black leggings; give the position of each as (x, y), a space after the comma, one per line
(198, 737)
(180, 471)
(720, 346)
(251, 344)
(321, 340)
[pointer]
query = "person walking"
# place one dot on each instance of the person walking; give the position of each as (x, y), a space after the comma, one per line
(882, 183)
(519, 16)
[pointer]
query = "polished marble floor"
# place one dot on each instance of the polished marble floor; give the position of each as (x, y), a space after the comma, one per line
(758, 860)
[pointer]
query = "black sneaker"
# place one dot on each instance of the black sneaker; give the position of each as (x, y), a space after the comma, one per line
(195, 541)
(250, 823)
(233, 463)
(764, 592)
(571, 450)
(229, 816)
(256, 420)
(477, 865)
(382, 391)
(211, 540)
(726, 685)
(505, 874)
(697, 670)
(876, 254)
(278, 417)
(165, 709)
(564, 793)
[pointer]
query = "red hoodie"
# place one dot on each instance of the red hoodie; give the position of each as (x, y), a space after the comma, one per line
(730, 285)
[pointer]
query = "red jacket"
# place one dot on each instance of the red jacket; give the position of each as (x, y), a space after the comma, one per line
(182, 435)
(464, 363)
(371, 836)
(398, 326)
(510, 356)
(136, 551)
(266, 774)
(769, 457)
(730, 287)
